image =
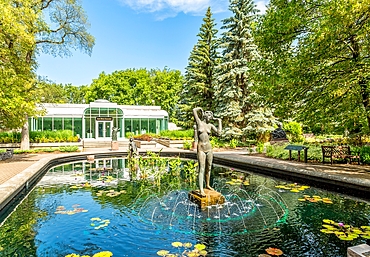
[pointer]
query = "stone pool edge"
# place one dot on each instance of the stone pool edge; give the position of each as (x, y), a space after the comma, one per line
(17, 186)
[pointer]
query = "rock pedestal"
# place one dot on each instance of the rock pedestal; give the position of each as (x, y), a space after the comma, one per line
(211, 198)
(114, 145)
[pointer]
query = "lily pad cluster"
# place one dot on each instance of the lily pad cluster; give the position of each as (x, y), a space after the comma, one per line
(344, 231)
(100, 254)
(84, 185)
(185, 250)
(99, 223)
(238, 181)
(106, 178)
(315, 199)
(272, 252)
(110, 193)
(295, 188)
(76, 209)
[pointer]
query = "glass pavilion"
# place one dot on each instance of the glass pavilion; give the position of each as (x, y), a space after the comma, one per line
(97, 119)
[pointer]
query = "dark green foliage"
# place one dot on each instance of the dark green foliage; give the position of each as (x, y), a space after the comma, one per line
(365, 154)
(198, 89)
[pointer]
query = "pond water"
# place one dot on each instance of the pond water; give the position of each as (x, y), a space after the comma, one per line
(112, 206)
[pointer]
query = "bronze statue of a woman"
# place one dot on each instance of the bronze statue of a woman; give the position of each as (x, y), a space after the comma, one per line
(204, 148)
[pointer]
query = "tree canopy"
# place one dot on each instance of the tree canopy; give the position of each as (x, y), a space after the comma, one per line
(315, 65)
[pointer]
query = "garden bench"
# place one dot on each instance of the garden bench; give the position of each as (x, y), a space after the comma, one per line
(6, 155)
(338, 152)
(298, 148)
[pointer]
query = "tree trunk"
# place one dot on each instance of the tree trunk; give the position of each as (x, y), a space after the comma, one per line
(25, 136)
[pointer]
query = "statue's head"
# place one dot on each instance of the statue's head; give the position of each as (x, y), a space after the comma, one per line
(208, 115)
(131, 139)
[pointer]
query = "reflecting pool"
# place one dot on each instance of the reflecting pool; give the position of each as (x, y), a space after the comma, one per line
(141, 208)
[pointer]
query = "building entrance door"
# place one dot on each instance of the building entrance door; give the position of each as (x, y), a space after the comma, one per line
(104, 129)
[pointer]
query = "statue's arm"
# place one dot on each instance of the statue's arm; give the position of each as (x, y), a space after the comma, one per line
(218, 130)
(195, 113)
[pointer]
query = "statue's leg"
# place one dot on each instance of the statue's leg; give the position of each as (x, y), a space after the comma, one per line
(208, 169)
(201, 166)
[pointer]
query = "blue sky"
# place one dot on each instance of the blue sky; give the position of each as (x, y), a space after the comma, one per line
(135, 34)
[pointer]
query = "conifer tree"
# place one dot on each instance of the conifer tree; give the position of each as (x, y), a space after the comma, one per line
(234, 93)
(198, 88)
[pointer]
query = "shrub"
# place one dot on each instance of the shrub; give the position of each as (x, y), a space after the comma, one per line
(365, 154)
(187, 145)
(71, 148)
(233, 143)
(294, 131)
(178, 134)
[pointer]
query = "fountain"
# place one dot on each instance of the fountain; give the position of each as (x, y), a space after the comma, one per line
(241, 211)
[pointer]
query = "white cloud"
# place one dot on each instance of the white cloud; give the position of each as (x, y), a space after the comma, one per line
(169, 8)
(160, 7)
(261, 5)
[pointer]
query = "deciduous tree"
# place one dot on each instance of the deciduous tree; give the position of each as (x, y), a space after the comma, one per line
(316, 61)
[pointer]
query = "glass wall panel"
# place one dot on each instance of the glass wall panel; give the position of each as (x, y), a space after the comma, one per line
(122, 126)
(94, 112)
(128, 126)
(152, 124)
(89, 128)
(58, 124)
(48, 123)
(67, 123)
(38, 124)
(136, 126)
(104, 112)
(77, 126)
(144, 125)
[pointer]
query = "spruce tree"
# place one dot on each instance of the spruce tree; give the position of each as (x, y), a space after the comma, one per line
(198, 90)
(234, 93)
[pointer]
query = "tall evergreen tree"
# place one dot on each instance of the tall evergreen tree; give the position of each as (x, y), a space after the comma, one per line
(234, 95)
(198, 90)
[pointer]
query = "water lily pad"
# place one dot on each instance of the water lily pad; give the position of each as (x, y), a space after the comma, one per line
(103, 254)
(203, 252)
(72, 255)
(327, 231)
(187, 245)
(176, 244)
(193, 254)
(327, 221)
(302, 199)
(274, 251)
(200, 247)
(264, 255)
(162, 252)
(329, 227)
(327, 201)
